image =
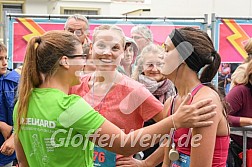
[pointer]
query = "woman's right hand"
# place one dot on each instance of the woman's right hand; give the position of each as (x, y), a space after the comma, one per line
(130, 162)
(194, 115)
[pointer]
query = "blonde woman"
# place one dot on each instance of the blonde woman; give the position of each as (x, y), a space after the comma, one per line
(120, 99)
(239, 73)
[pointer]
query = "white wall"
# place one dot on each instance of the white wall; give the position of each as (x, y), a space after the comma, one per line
(103, 6)
(169, 8)
(53, 7)
(106, 6)
(119, 8)
(201, 7)
(36, 6)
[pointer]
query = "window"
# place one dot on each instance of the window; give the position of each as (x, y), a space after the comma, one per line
(12, 8)
(8, 8)
(81, 11)
(141, 1)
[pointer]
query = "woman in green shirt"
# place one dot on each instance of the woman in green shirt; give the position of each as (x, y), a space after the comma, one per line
(53, 128)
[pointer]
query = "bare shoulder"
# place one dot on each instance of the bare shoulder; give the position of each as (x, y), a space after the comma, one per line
(208, 93)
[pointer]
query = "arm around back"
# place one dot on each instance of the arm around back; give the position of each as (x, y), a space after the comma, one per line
(127, 144)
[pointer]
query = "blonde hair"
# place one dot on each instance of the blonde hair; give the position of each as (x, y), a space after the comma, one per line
(115, 28)
(149, 49)
(247, 75)
(248, 49)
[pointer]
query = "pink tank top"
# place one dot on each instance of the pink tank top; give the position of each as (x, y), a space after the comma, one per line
(221, 144)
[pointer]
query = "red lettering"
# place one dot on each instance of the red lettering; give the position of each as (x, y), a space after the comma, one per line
(100, 156)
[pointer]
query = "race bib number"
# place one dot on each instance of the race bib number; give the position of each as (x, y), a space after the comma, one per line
(104, 158)
(184, 161)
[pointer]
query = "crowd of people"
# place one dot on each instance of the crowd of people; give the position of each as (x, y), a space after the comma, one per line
(121, 101)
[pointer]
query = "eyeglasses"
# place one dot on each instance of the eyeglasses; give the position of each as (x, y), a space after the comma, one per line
(84, 56)
(150, 66)
(137, 37)
(76, 32)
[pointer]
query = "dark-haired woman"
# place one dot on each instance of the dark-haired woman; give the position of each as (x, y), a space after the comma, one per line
(190, 50)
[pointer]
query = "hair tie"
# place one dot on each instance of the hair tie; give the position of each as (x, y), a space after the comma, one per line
(213, 54)
(38, 40)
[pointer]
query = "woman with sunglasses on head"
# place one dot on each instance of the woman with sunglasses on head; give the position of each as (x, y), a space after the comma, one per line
(53, 128)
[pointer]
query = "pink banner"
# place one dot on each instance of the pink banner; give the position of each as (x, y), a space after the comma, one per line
(24, 29)
(231, 40)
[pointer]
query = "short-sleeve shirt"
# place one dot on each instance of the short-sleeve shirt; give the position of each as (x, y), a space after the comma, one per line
(54, 132)
(127, 105)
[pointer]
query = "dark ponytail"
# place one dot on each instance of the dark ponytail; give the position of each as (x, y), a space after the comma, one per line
(207, 56)
(210, 70)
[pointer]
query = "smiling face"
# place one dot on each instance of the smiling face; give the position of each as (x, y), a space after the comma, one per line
(152, 64)
(108, 50)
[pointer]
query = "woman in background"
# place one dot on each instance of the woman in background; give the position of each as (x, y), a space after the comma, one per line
(238, 74)
(130, 54)
(239, 99)
(148, 73)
